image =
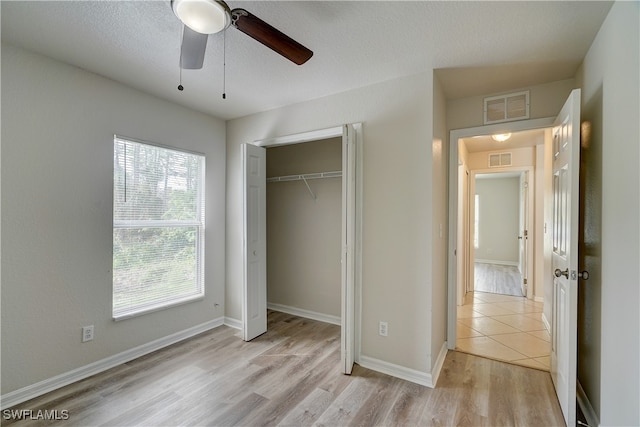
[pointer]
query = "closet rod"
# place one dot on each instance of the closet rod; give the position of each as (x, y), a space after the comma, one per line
(306, 176)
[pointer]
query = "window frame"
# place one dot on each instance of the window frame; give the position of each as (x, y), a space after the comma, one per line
(199, 225)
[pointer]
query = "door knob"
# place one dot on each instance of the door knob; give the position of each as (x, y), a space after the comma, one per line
(559, 273)
(584, 275)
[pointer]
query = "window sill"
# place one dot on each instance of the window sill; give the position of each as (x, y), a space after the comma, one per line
(157, 307)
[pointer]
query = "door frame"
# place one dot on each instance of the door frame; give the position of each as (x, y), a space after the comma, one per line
(471, 251)
(527, 238)
(351, 135)
(454, 137)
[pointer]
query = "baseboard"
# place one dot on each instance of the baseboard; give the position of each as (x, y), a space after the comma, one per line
(407, 374)
(538, 299)
(233, 323)
(546, 323)
(437, 367)
(34, 390)
(586, 407)
(498, 262)
(327, 318)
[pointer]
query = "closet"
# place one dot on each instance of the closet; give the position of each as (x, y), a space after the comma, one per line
(304, 208)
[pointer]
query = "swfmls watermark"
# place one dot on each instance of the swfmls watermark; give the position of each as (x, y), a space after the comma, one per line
(35, 415)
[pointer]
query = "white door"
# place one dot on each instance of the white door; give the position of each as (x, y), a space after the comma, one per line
(348, 248)
(566, 162)
(524, 230)
(254, 298)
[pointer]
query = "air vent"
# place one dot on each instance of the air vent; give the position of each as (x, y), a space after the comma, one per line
(499, 159)
(506, 108)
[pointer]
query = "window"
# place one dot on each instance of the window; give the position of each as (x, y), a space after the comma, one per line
(158, 227)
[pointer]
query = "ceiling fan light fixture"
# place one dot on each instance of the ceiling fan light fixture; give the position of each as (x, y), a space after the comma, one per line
(202, 16)
(501, 137)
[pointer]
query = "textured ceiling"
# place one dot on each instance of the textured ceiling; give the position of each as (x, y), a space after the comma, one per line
(479, 47)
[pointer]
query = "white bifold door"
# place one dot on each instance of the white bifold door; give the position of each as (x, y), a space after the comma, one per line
(254, 307)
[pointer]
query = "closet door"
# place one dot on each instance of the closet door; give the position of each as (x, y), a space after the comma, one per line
(254, 301)
(348, 247)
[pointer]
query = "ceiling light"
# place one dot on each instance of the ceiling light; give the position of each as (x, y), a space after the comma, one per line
(202, 16)
(501, 137)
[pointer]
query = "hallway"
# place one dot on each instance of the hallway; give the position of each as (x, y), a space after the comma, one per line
(503, 327)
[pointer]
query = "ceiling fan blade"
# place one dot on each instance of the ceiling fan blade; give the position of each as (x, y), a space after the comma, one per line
(269, 36)
(192, 50)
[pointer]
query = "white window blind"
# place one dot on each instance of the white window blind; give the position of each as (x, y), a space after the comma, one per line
(158, 227)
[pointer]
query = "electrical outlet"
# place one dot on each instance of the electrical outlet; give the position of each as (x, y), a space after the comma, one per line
(383, 328)
(87, 333)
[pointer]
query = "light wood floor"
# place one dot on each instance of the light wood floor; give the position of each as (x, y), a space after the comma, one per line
(497, 279)
(290, 376)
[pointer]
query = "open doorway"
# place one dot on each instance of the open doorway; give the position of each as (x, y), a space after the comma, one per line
(499, 263)
(501, 248)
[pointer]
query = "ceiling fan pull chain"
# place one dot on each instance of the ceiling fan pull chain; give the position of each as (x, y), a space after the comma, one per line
(224, 65)
(180, 87)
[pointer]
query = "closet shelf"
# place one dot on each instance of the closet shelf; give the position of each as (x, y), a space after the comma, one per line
(306, 176)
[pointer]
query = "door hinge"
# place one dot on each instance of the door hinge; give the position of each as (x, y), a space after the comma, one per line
(525, 281)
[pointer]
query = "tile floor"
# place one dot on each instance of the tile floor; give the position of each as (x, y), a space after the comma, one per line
(504, 327)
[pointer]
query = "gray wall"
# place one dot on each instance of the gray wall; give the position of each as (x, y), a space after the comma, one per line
(58, 124)
(397, 257)
(609, 319)
(303, 234)
(499, 212)
(546, 101)
(440, 222)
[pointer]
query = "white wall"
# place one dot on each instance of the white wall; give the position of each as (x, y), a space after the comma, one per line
(520, 157)
(545, 100)
(499, 212)
(304, 234)
(58, 124)
(609, 359)
(440, 222)
(543, 220)
(397, 206)
(462, 249)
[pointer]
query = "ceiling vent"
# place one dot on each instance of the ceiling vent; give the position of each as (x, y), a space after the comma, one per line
(499, 159)
(506, 108)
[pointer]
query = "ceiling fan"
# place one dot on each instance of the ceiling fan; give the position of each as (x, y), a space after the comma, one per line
(204, 17)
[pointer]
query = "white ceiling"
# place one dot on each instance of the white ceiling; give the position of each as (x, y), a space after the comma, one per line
(483, 47)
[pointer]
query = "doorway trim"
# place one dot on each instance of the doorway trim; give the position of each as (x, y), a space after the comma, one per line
(454, 137)
(351, 135)
(520, 170)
